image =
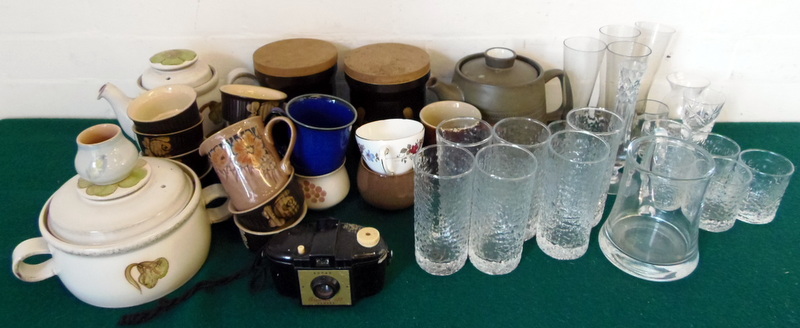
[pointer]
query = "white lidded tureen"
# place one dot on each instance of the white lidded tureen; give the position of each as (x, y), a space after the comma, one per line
(126, 242)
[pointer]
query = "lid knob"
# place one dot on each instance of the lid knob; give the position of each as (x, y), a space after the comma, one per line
(499, 57)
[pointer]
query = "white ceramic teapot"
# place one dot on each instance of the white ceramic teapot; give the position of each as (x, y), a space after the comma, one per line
(128, 242)
(175, 66)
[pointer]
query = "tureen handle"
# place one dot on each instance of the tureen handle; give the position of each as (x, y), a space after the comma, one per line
(211, 193)
(32, 272)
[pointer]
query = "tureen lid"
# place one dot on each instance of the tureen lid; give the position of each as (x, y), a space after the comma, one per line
(498, 66)
(86, 214)
(176, 66)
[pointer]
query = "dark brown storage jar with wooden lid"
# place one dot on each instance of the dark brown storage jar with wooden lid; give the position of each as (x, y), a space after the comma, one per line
(297, 66)
(387, 80)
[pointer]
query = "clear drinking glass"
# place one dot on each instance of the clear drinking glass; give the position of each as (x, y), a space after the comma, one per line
(666, 127)
(582, 59)
(655, 36)
(609, 34)
(724, 195)
(626, 65)
(649, 110)
(680, 83)
(531, 135)
(501, 203)
(771, 175)
(700, 111)
(577, 173)
(609, 127)
(721, 146)
(442, 207)
(557, 125)
(652, 230)
(466, 132)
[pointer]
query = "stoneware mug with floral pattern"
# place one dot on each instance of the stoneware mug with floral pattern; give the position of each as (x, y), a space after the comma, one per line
(246, 161)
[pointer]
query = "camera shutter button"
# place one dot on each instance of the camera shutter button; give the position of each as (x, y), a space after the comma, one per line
(368, 237)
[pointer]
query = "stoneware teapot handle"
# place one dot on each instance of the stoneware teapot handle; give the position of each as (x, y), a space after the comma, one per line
(566, 94)
(32, 272)
(211, 193)
(286, 166)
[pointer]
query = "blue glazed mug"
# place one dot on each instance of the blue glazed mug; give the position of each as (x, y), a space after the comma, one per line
(323, 124)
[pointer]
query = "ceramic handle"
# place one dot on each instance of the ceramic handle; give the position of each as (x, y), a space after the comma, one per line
(238, 73)
(386, 161)
(286, 166)
(32, 272)
(221, 212)
(566, 94)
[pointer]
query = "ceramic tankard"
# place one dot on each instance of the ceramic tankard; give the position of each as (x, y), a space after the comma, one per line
(246, 161)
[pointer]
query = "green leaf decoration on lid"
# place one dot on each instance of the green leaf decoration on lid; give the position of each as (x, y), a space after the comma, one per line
(137, 174)
(173, 57)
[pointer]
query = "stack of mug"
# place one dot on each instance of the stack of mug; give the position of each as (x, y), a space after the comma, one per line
(167, 123)
(385, 175)
(264, 197)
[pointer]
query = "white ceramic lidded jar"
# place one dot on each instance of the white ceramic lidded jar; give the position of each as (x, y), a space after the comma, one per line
(125, 243)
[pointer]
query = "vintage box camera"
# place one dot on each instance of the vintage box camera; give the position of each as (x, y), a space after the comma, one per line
(328, 262)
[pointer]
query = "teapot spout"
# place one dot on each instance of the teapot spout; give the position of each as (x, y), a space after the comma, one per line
(119, 103)
(444, 91)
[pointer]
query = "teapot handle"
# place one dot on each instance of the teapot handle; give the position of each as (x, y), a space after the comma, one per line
(566, 94)
(238, 73)
(286, 166)
(32, 272)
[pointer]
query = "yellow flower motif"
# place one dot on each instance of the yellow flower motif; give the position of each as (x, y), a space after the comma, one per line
(158, 146)
(249, 150)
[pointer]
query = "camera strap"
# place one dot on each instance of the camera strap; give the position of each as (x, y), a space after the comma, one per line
(258, 272)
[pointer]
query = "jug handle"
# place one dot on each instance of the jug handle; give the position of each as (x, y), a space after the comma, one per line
(32, 272)
(286, 166)
(566, 94)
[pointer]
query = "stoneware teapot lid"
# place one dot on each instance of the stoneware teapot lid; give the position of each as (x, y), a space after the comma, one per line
(498, 66)
(176, 66)
(85, 214)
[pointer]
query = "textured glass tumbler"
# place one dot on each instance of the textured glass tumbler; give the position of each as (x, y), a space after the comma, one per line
(652, 230)
(501, 203)
(557, 125)
(576, 163)
(724, 194)
(531, 135)
(771, 175)
(607, 126)
(466, 132)
(583, 57)
(701, 110)
(442, 197)
(721, 146)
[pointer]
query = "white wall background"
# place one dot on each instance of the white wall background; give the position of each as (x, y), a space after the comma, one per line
(54, 54)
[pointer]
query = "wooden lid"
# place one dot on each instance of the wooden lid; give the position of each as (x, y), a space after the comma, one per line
(295, 57)
(387, 63)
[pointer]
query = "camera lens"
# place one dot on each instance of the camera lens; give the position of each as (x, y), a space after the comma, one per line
(325, 287)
